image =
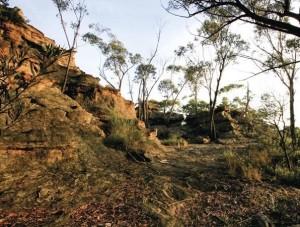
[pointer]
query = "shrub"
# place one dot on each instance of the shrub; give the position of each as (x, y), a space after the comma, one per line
(124, 134)
(115, 141)
(175, 139)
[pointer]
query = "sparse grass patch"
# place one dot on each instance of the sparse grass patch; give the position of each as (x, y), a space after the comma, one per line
(249, 167)
(233, 162)
(254, 164)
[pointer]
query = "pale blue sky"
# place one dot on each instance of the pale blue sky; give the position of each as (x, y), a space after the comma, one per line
(135, 23)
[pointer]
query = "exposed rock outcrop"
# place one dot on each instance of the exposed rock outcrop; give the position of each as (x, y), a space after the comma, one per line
(227, 126)
(46, 119)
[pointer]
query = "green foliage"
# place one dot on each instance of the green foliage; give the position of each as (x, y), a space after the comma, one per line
(167, 88)
(193, 107)
(11, 15)
(13, 82)
(63, 5)
(145, 71)
(118, 59)
(228, 45)
(230, 87)
(48, 55)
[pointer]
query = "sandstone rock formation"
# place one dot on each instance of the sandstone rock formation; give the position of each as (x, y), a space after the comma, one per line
(226, 125)
(45, 118)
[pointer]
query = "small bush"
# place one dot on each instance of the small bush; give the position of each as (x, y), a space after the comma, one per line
(295, 158)
(124, 134)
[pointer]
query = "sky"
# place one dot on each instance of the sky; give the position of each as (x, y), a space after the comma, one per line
(136, 23)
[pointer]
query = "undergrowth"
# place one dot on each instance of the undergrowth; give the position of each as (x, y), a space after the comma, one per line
(255, 165)
(125, 135)
(175, 139)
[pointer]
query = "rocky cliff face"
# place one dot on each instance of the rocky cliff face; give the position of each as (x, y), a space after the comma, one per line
(45, 118)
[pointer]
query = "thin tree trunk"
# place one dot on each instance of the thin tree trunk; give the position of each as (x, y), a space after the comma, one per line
(283, 146)
(247, 101)
(174, 102)
(67, 72)
(292, 115)
(213, 133)
(76, 34)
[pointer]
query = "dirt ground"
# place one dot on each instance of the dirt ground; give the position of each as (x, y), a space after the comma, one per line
(180, 187)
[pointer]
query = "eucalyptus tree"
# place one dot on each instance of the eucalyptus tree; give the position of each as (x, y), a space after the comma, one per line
(144, 74)
(78, 10)
(244, 102)
(271, 14)
(177, 69)
(168, 90)
(147, 76)
(227, 47)
(193, 74)
(281, 49)
(118, 63)
(195, 69)
(272, 111)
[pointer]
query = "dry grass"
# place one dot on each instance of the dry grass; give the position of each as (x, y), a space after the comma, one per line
(124, 134)
(247, 168)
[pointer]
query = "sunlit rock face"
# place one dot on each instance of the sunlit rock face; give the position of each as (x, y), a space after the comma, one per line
(45, 119)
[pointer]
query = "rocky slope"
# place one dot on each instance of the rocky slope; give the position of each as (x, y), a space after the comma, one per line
(53, 162)
(48, 119)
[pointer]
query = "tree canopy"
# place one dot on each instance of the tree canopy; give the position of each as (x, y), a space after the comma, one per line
(273, 14)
